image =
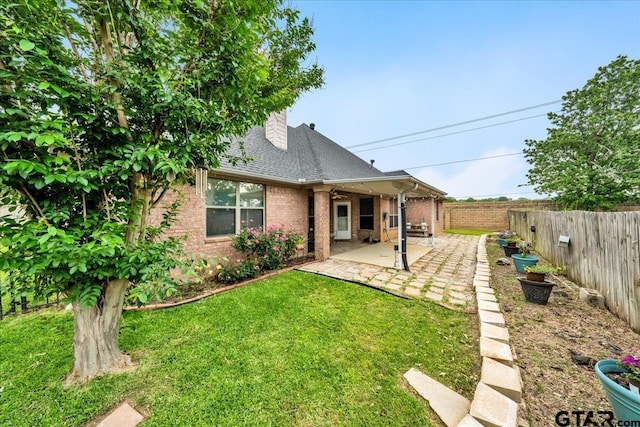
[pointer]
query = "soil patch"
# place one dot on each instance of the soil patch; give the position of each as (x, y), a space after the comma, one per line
(557, 345)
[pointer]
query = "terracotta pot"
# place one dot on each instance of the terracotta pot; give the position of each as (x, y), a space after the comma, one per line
(536, 277)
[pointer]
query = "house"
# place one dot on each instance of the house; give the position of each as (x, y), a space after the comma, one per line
(304, 181)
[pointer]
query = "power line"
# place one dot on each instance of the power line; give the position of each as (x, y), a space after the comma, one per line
(465, 161)
(451, 133)
(498, 195)
(456, 124)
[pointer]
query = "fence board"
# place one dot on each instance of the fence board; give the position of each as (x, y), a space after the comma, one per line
(604, 252)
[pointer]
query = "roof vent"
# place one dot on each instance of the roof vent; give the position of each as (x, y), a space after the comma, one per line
(312, 126)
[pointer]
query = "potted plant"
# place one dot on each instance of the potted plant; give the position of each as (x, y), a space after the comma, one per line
(620, 380)
(298, 241)
(537, 273)
(536, 292)
(511, 247)
(524, 258)
(503, 236)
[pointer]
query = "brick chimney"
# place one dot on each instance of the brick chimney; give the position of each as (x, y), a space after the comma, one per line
(276, 129)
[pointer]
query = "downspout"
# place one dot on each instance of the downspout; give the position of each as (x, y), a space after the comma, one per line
(403, 226)
(433, 220)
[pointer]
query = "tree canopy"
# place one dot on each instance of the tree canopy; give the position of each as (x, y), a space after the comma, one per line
(590, 159)
(104, 106)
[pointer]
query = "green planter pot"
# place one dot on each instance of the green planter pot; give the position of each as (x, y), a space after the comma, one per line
(502, 242)
(625, 404)
(520, 262)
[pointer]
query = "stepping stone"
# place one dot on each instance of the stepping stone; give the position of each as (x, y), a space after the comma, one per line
(123, 416)
(496, 350)
(392, 286)
(433, 296)
(449, 405)
(414, 292)
(502, 378)
(493, 409)
(494, 332)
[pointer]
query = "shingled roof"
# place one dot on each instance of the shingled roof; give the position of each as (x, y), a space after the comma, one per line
(310, 158)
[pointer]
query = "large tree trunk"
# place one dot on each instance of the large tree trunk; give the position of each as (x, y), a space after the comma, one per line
(95, 337)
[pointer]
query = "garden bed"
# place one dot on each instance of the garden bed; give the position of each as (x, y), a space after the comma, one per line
(549, 340)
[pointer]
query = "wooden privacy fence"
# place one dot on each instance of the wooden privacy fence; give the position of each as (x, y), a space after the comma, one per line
(603, 252)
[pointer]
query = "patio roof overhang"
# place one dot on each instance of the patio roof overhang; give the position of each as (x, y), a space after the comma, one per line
(387, 186)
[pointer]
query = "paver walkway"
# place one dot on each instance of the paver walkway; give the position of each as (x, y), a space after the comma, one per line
(444, 274)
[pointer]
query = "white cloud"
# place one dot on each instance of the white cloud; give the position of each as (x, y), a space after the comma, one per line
(484, 178)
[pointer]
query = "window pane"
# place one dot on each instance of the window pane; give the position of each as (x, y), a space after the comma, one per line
(366, 206)
(221, 192)
(251, 195)
(393, 221)
(221, 222)
(251, 218)
(366, 222)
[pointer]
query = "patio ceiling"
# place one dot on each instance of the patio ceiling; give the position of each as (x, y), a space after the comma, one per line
(387, 186)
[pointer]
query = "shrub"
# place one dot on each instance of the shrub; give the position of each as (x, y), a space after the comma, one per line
(232, 273)
(272, 247)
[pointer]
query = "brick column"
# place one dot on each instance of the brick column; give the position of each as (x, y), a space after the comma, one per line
(322, 212)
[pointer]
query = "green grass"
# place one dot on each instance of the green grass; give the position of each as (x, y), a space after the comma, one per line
(296, 349)
(468, 232)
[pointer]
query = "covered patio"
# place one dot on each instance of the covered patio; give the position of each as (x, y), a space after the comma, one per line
(381, 254)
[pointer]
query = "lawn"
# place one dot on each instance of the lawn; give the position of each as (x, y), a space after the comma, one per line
(296, 349)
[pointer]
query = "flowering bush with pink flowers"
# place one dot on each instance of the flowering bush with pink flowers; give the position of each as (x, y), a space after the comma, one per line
(272, 247)
(631, 364)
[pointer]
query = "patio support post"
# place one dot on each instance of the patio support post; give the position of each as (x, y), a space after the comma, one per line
(322, 226)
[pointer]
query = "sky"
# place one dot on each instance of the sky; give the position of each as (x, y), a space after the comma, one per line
(394, 68)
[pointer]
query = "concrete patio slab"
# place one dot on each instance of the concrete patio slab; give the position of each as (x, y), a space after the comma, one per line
(382, 254)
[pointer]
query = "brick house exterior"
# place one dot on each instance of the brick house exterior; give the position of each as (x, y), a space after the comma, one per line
(303, 181)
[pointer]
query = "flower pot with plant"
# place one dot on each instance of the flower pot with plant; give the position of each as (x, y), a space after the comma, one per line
(503, 236)
(538, 273)
(511, 246)
(298, 241)
(536, 292)
(620, 380)
(524, 258)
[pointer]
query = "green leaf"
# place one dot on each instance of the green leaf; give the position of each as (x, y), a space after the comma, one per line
(26, 45)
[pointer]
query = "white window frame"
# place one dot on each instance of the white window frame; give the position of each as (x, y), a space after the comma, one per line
(237, 207)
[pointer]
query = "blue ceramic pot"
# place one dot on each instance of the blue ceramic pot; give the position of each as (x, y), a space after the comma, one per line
(625, 404)
(521, 262)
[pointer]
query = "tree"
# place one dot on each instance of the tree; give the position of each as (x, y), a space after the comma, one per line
(591, 157)
(106, 105)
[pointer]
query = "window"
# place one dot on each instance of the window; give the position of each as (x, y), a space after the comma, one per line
(393, 213)
(366, 213)
(233, 205)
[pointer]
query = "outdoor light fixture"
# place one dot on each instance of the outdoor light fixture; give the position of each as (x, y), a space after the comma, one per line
(563, 241)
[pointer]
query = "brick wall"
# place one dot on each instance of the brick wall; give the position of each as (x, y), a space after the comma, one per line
(283, 207)
(419, 210)
(487, 215)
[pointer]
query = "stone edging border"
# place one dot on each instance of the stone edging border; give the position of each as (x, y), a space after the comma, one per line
(495, 401)
(211, 292)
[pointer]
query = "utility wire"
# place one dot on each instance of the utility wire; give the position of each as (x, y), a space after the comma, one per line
(465, 161)
(456, 124)
(497, 195)
(449, 134)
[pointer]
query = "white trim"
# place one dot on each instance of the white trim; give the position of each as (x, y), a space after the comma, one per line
(345, 234)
